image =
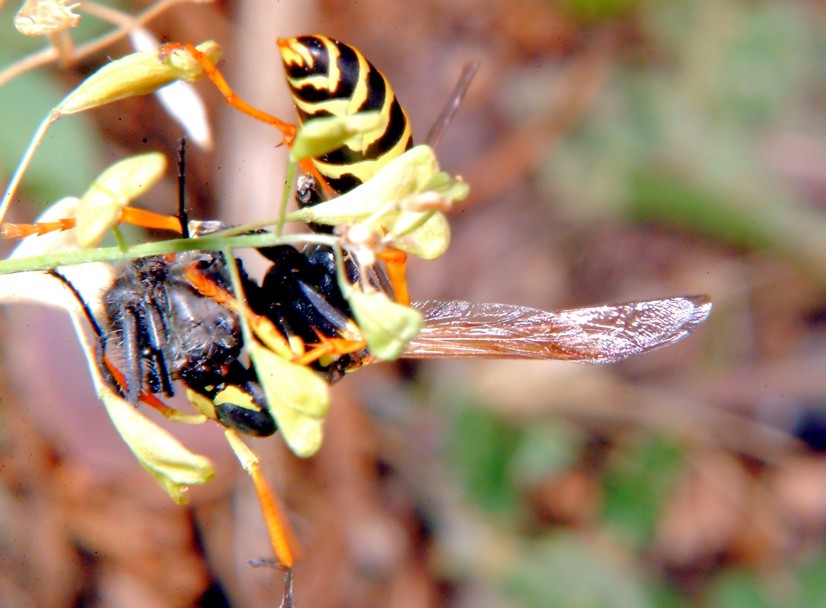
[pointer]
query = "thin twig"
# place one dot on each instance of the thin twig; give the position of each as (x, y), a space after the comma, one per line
(50, 54)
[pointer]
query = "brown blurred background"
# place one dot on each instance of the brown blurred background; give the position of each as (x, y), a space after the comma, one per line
(616, 150)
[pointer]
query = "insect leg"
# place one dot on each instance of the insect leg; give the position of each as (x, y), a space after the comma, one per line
(278, 528)
(149, 219)
(156, 332)
(111, 374)
(128, 215)
(19, 231)
(287, 129)
(133, 374)
(396, 262)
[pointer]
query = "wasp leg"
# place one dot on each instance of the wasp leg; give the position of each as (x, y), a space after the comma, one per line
(128, 215)
(287, 129)
(396, 262)
(133, 373)
(116, 378)
(329, 346)
(143, 339)
(150, 219)
(19, 231)
(156, 333)
(278, 528)
(287, 597)
(111, 374)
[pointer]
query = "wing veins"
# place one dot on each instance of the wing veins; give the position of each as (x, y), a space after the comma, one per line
(599, 334)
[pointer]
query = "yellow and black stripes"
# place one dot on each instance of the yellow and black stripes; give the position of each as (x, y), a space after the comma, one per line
(330, 78)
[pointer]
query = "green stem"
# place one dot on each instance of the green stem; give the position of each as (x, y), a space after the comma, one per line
(114, 254)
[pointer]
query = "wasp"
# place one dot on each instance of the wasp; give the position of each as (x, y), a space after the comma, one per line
(169, 316)
(179, 317)
(330, 78)
(165, 330)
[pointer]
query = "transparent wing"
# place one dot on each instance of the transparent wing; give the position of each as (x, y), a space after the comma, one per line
(599, 334)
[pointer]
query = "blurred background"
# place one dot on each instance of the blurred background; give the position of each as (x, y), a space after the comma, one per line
(616, 150)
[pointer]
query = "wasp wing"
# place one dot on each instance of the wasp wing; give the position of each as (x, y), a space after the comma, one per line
(599, 334)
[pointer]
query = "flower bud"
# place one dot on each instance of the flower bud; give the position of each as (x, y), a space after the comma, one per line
(387, 326)
(137, 74)
(164, 457)
(322, 135)
(101, 205)
(298, 399)
(42, 17)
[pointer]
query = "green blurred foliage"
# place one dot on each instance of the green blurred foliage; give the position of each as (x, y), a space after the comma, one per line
(595, 10)
(675, 139)
(637, 483)
(496, 459)
(680, 136)
(481, 448)
(544, 449)
(566, 570)
(740, 588)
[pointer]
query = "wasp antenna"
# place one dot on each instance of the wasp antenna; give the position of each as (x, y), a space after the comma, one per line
(86, 310)
(438, 129)
(183, 215)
